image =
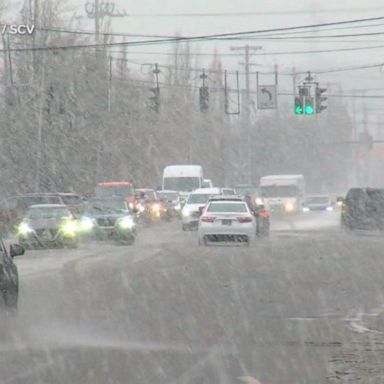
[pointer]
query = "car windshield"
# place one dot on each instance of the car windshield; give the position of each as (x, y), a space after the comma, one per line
(216, 207)
(317, 200)
(172, 196)
(279, 191)
(71, 199)
(149, 195)
(110, 191)
(183, 184)
(26, 202)
(105, 206)
(198, 198)
(48, 213)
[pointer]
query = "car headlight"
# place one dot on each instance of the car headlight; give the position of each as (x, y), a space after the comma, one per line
(306, 209)
(86, 224)
(126, 223)
(289, 207)
(329, 209)
(131, 205)
(155, 207)
(140, 208)
(178, 207)
(69, 228)
(24, 229)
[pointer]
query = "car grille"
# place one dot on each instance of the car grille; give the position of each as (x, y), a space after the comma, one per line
(106, 222)
(48, 234)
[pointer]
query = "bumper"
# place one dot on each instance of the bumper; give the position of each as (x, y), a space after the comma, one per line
(220, 234)
(192, 219)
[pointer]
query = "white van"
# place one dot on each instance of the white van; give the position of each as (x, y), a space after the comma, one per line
(283, 193)
(182, 178)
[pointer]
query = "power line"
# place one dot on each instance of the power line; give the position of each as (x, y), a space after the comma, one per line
(192, 38)
(261, 13)
(85, 32)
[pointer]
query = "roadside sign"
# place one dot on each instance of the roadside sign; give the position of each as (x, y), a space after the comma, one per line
(266, 97)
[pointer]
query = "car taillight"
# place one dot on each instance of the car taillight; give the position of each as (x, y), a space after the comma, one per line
(244, 219)
(265, 214)
(207, 219)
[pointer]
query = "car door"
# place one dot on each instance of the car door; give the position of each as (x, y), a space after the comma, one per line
(9, 282)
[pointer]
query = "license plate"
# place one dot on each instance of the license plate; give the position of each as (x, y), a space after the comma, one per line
(226, 222)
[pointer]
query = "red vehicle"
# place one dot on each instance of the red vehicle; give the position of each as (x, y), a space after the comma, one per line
(115, 189)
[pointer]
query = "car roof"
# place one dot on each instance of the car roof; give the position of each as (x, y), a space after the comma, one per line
(226, 198)
(168, 191)
(229, 201)
(145, 190)
(311, 196)
(206, 191)
(35, 206)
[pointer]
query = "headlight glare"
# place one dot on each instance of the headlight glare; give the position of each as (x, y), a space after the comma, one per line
(69, 228)
(86, 224)
(289, 207)
(24, 229)
(126, 223)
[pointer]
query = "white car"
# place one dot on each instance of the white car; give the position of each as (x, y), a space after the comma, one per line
(196, 200)
(225, 222)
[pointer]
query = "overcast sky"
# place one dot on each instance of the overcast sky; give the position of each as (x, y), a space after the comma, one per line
(223, 16)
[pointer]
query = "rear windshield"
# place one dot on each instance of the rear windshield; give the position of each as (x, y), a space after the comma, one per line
(366, 200)
(198, 198)
(227, 207)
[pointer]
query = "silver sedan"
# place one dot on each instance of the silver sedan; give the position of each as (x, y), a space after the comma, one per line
(226, 222)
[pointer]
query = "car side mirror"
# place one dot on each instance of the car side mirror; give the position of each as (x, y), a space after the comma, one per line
(16, 250)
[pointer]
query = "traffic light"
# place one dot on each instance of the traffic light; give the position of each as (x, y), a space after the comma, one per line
(304, 105)
(299, 110)
(309, 108)
(155, 99)
(204, 99)
(320, 98)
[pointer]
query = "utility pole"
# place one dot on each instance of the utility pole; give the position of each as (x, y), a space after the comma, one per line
(247, 145)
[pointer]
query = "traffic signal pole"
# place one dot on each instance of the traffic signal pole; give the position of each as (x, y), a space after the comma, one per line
(247, 145)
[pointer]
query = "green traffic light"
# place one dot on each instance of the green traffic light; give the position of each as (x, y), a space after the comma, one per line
(298, 110)
(309, 110)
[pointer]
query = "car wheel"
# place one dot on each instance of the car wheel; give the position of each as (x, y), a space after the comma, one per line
(129, 241)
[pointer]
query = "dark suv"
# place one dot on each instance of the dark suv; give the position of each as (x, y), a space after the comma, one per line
(9, 280)
(363, 208)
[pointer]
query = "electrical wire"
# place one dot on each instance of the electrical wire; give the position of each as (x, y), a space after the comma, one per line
(191, 38)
